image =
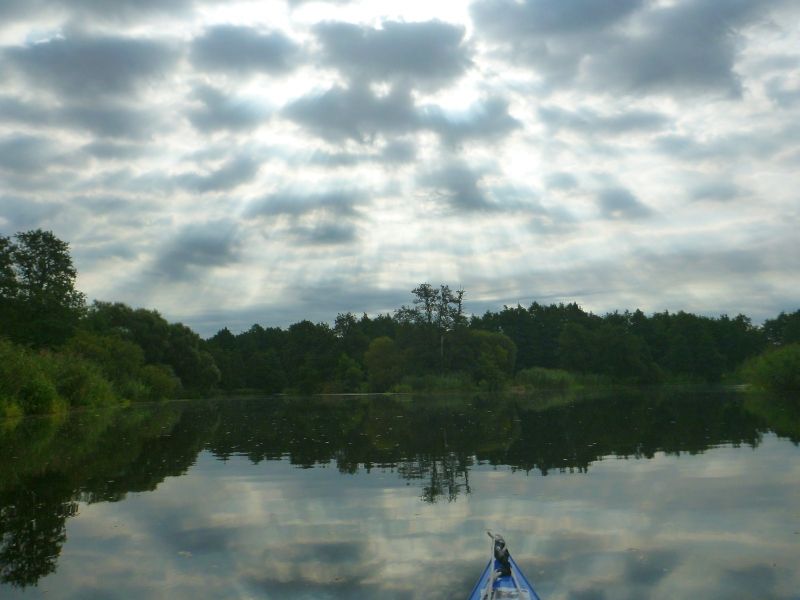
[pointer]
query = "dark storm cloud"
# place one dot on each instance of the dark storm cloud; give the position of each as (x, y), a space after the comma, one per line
(487, 120)
(427, 54)
(231, 174)
(218, 111)
(295, 205)
(88, 67)
(619, 203)
(629, 46)
(590, 122)
(355, 113)
(235, 49)
(200, 245)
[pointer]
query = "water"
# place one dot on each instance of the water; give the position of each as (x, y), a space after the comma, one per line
(627, 495)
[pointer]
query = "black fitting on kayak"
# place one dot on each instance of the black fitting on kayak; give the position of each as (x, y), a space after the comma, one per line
(501, 556)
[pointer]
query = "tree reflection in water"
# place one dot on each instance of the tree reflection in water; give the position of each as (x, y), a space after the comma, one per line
(51, 465)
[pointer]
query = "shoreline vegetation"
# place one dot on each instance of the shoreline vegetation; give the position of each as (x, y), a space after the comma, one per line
(57, 352)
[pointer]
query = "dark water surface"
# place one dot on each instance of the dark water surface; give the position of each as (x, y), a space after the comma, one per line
(657, 494)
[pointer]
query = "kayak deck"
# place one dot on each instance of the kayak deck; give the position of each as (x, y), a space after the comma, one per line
(503, 587)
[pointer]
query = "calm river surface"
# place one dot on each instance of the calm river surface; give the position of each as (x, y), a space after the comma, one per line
(647, 494)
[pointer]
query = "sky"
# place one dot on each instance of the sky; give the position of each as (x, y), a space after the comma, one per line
(231, 163)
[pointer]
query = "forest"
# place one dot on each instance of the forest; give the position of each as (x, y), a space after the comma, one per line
(57, 351)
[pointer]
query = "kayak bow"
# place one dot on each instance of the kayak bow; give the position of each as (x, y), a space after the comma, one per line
(502, 579)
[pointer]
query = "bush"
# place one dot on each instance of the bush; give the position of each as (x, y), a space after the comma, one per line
(119, 360)
(79, 381)
(776, 370)
(159, 382)
(24, 381)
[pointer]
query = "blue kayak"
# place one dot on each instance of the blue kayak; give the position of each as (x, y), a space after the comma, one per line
(502, 578)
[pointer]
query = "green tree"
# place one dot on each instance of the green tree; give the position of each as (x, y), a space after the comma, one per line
(349, 374)
(383, 361)
(47, 305)
(783, 329)
(776, 370)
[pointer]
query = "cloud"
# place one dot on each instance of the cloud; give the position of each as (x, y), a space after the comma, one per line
(18, 213)
(783, 92)
(359, 114)
(394, 152)
(761, 143)
(560, 181)
(487, 120)
(719, 190)
(231, 174)
(618, 203)
(114, 150)
(502, 19)
(428, 54)
(459, 186)
(105, 120)
(591, 122)
(327, 218)
(116, 11)
(92, 67)
(198, 246)
(29, 154)
(325, 233)
(235, 49)
(355, 113)
(218, 111)
(685, 47)
(285, 203)
(630, 46)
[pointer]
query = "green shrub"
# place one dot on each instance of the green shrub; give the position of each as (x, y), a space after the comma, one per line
(24, 381)
(159, 381)
(776, 370)
(118, 360)
(79, 381)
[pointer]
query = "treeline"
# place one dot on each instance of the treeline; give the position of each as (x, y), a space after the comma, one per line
(57, 352)
(433, 345)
